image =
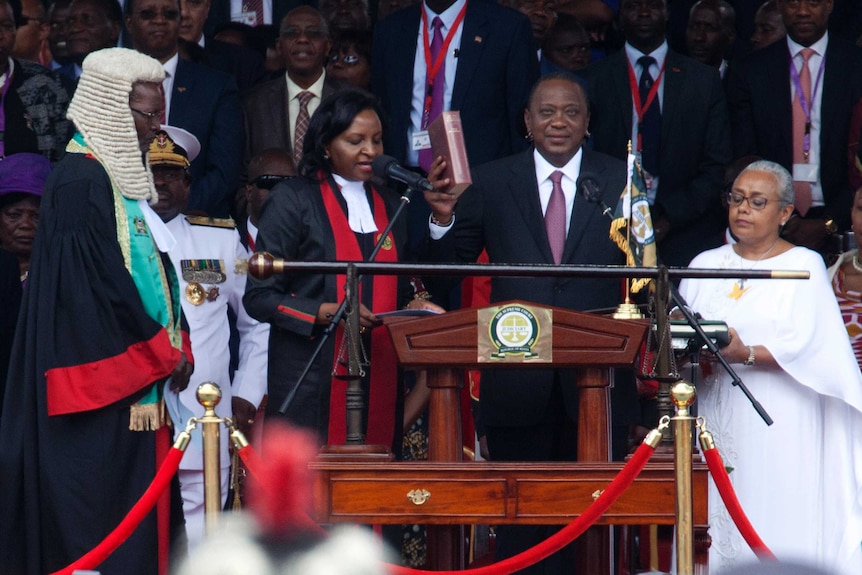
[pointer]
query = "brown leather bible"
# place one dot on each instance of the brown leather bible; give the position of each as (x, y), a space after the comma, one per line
(447, 140)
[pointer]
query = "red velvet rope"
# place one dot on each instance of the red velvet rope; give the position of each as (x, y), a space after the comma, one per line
(131, 521)
(728, 496)
(562, 537)
(252, 462)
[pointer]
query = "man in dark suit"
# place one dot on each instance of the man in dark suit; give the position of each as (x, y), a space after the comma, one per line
(517, 211)
(198, 99)
(244, 64)
(489, 66)
(92, 25)
(763, 96)
(272, 109)
(684, 130)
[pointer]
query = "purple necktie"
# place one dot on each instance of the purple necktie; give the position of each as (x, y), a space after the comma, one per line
(555, 217)
(427, 156)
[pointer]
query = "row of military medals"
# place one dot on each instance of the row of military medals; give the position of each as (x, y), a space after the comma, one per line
(199, 272)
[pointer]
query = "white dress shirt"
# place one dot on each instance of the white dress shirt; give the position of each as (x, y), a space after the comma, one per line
(168, 83)
(814, 61)
(659, 55)
(420, 70)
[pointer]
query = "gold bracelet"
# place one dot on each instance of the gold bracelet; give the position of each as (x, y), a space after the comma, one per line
(751, 356)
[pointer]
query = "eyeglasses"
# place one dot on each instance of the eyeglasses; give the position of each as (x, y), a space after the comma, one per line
(756, 202)
(150, 15)
(148, 115)
(294, 33)
(268, 182)
(348, 59)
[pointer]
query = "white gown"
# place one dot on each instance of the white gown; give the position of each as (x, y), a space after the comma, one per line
(799, 480)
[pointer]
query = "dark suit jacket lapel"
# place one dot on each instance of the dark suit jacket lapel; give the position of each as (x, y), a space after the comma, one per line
(622, 90)
(402, 60)
(674, 89)
(473, 40)
(833, 76)
(524, 190)
(276, 102)
(182, 102)
(583, 212)
(776, 76)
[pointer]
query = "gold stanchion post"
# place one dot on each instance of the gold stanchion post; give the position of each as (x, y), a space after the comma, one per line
(683, 394)
(209, 395)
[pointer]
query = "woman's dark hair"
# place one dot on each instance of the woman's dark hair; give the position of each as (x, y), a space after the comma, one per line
(334, 115)
(359, 39)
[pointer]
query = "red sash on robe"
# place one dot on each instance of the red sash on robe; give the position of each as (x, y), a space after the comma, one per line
(384, 375)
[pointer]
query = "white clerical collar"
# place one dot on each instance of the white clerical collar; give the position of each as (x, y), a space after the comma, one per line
(359, 214)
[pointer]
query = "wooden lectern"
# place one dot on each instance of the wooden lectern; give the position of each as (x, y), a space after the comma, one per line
(447, 493)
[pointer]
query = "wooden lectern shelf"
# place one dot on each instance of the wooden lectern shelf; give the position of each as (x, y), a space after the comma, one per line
(447, 493)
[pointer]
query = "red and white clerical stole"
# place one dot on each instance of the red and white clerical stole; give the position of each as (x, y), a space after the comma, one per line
(384, 374)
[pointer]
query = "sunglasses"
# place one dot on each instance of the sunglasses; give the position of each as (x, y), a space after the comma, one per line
(268, 182)
(348, 59)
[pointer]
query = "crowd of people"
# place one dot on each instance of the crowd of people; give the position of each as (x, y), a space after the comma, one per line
(147, 147)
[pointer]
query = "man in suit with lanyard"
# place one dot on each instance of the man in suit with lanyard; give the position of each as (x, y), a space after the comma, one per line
(469, 55)
(673, 110)
(791, 103)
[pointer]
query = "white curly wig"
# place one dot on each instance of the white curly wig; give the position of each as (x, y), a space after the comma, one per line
(100, 110)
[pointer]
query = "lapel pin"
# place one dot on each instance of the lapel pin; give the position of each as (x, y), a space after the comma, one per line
(675, 69)
(181, 88)
(478, 39)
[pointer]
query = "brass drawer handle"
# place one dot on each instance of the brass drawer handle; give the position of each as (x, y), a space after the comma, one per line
(418, 496)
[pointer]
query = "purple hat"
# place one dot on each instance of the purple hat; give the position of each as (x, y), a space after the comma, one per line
(23, 173)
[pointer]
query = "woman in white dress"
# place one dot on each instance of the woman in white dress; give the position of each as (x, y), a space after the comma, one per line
(799, 480)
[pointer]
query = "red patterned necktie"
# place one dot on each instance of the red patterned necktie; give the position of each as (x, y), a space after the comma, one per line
(255, 6)
(302, 120)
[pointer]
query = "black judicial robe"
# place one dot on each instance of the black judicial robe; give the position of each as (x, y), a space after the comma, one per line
(67, 480)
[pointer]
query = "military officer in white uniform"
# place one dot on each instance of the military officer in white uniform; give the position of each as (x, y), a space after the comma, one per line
(207, 258)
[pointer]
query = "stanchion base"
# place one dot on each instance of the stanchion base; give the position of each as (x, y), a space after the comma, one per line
(370, 453)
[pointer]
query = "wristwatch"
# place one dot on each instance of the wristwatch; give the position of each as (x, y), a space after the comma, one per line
(750, 360)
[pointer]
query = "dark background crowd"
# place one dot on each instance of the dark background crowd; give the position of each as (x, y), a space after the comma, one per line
(236, 70)
(698, 89)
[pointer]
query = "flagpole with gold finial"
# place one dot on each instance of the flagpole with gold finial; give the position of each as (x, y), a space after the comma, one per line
(628, 309)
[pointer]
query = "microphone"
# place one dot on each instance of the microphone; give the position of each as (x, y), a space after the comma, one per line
(590, 191)
(387, 167)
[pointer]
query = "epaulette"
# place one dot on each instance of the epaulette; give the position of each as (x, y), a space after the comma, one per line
(209, 222)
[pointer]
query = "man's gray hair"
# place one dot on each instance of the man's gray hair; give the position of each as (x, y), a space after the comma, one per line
(783, 180)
